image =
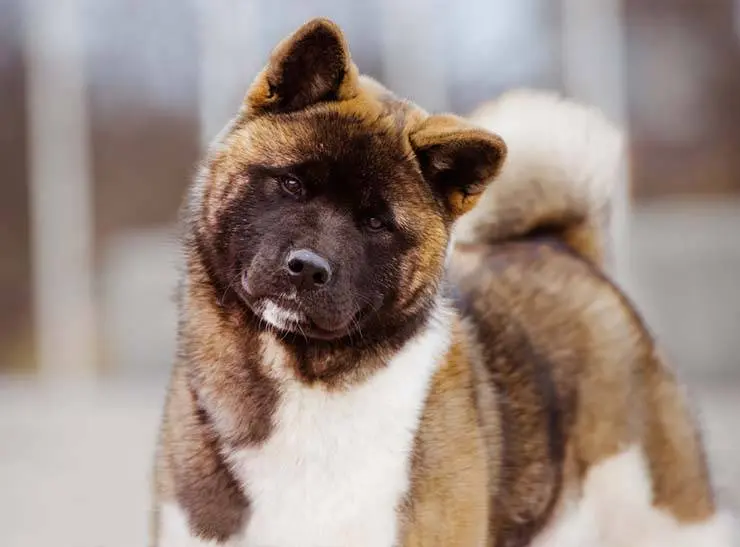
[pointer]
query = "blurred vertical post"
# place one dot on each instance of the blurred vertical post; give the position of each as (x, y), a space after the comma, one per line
(414, 60)
(594, 72)
(230, 56)
(60, 189)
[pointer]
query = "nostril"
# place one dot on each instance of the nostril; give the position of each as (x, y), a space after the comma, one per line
(295, 265)
(321, 277)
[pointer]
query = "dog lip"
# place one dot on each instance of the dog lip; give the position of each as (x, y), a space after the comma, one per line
(289, 302)
(285, 313)
(279, 316)
(312, 330)
(334, 333)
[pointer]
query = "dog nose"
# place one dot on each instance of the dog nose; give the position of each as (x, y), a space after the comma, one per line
(307, 270)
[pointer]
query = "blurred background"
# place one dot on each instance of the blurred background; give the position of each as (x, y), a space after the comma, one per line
(105, 106)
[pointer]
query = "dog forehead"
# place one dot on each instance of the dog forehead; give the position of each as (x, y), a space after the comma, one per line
(323, 134)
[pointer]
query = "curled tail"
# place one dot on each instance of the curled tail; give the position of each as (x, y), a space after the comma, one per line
(565, 162)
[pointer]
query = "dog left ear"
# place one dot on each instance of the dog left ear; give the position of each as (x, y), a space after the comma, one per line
(457, 159)
(311, 65)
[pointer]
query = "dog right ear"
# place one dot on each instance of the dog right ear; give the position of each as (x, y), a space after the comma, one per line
(310, 66)
(458, 160)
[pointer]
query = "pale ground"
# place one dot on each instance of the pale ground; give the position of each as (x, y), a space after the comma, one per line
(75, 464)
(75, 461)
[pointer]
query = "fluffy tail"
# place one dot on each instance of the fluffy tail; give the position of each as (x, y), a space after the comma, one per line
(565, 162)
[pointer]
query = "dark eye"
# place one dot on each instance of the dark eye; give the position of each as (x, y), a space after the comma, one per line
(374, 224)
(292, 186)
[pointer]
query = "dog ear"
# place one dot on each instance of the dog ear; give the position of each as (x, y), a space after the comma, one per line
(457, 159)
(310, 66)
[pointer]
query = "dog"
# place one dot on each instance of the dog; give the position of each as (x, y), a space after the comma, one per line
(397, 329)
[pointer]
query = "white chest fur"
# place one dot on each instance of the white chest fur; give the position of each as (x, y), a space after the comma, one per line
(337, 465)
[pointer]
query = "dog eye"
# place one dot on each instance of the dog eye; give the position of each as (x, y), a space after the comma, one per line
(374, 224)
(292, 186)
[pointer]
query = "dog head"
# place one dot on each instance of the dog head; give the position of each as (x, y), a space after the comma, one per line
(327, 205)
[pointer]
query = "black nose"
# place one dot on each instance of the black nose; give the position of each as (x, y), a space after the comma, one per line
(307, 270)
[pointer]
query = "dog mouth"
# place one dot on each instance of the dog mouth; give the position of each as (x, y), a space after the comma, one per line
(285, 314)
(281, 316)
(289, 311)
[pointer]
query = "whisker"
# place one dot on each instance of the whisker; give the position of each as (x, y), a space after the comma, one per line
(302, 332)
(228, 287)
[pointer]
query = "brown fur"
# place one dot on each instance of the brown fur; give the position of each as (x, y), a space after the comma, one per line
(609, 390)
(550, 370)
(448, 504)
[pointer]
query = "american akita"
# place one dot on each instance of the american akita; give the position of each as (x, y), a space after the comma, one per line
(348, 378)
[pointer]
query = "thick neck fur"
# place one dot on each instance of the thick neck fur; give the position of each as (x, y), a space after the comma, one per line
(230, 353)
